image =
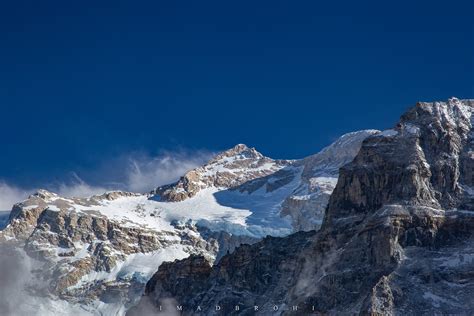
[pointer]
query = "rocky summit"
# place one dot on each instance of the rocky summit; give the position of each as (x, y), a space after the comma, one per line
(95, 255)
(396, 239)
(377, 223)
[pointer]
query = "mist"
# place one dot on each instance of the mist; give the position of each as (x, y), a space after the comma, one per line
(135, 173)
(15, 267)
(10, 195)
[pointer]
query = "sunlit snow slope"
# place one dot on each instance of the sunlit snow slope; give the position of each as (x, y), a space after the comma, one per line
(96, 254)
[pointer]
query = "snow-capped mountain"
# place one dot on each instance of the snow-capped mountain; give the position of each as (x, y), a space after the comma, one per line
(280, 196)
(229, 169)
(397, 237)
(94, 255)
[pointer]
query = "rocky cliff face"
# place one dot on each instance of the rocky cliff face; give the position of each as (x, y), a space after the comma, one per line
(79, 251)
(397, 238)
(418, 162)
(96, 254)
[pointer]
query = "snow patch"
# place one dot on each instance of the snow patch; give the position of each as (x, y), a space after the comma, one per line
(389, 133)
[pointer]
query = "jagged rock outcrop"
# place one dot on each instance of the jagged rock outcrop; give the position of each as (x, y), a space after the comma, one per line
(306, 184)
(85, 248)
(75, 243)
(229, 169)
(418, 163)
(397, 238)
(227, 242)
(194, 268)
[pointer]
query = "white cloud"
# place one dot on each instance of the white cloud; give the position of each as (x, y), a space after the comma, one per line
(139, 173)
(146, 173)
(78, 188)
(14, 275)
(10, 195)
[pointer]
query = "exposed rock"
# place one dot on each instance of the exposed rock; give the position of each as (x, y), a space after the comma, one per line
(226, 242)
(85, 247)
(394, 241)
(234, 281)
(229, 169)
(74, 241)
(310, 181)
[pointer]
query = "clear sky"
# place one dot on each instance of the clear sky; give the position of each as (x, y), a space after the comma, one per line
(85, 85)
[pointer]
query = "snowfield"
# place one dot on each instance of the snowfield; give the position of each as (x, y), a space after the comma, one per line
(239, 196)
(256, 214)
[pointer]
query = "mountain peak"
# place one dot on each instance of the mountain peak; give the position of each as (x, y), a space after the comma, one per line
(454, 100)
(239, 150)
(228, 169)
(44, 194)
(403, 205)
(240, 147)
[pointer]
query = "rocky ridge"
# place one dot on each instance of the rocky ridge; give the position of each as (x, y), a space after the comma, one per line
(397, 238)
(308, 182)
(97, 253)
(79, 250)
(229, 169)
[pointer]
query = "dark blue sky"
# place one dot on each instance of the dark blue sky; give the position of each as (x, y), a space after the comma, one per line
(84, 82)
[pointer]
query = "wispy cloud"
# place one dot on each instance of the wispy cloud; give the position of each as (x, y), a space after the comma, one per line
(146, 173)
(10, 195)
(137, 173)
(78, 188)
